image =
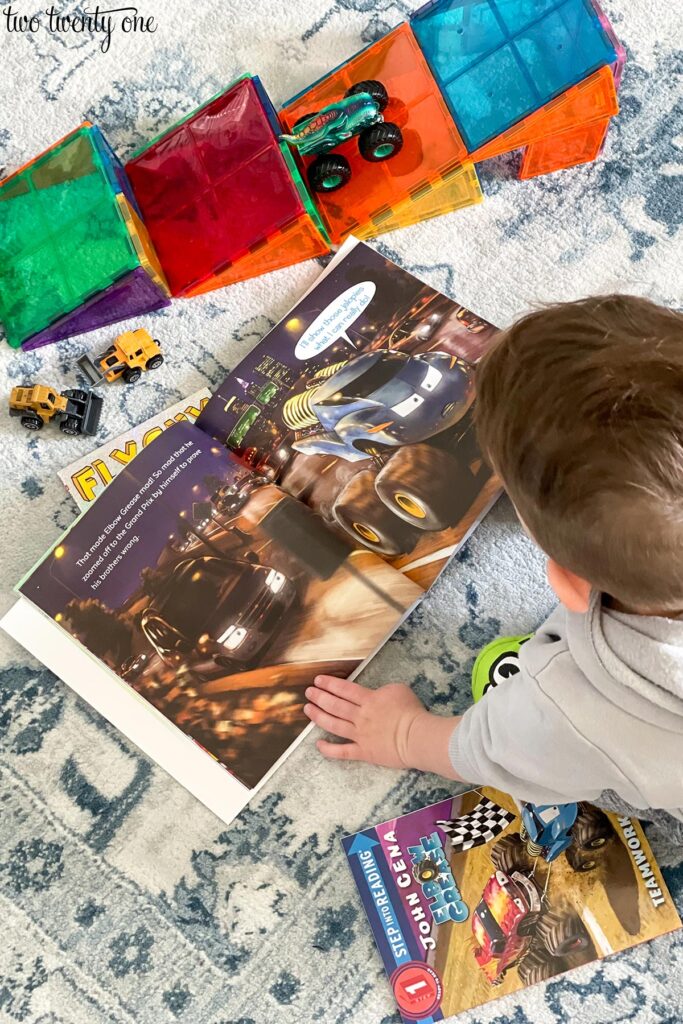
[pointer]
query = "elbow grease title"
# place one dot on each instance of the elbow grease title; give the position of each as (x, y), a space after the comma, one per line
(442, 894)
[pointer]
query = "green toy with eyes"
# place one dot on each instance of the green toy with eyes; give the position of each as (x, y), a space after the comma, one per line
(497, 662)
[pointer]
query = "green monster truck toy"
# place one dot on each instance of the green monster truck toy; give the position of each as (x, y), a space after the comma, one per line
(359, 113)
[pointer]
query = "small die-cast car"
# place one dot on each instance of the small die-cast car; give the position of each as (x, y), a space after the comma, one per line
(359, 113)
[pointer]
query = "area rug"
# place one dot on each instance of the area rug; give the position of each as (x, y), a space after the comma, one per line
(121, 898)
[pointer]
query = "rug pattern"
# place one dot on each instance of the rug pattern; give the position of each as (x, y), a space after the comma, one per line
(123, 900)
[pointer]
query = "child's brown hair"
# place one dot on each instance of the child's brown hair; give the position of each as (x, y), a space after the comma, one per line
(580, 412)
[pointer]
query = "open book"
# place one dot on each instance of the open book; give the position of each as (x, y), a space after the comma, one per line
(286, 532)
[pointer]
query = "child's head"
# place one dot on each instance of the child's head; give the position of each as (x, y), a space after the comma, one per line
(580, 412)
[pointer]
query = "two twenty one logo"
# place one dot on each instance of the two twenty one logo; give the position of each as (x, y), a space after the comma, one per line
(432, 870)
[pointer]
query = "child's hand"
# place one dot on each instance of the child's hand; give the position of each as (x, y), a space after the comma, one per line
(389, 726)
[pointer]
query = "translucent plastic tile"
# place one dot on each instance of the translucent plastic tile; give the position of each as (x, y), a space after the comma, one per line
(457, 34)
(63, 237)
(517, 14)
(562, 48)
(214, 186)
(490, 97)
(96, 251)
(575, 146)
(33, 292)
(431, 142)
(553, 43)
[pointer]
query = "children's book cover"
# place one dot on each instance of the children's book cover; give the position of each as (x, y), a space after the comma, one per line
(360, 403)
(474, 897)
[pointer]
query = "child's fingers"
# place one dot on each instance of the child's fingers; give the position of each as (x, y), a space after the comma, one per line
(342, 688)
(337, 726)
(339, 751)
(336, 706)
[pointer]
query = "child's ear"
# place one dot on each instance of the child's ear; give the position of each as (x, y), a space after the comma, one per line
(573, 591)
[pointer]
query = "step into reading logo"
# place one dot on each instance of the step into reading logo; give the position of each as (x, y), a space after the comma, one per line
(96, 23)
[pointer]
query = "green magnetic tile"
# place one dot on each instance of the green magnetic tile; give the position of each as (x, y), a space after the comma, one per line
(72, 200)
(72, 159)
(96, 251)
(20, 220)
(33, 292)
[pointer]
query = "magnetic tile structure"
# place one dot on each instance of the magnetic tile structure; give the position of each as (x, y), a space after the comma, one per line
(498, 61)
(217, 188)
(429, 176)
(70, 241)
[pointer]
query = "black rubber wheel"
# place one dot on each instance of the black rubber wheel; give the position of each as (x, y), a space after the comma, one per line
(329, 172)
(154, 363)
(374, 88)
(300, 120)
(31, 422)
(71, 425)
(380, 142)
(132, 374)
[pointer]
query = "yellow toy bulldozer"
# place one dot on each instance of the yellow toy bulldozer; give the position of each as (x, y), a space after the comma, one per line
(131, 353)
(76, 411)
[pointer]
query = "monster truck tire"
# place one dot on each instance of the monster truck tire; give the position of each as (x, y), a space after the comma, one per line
(359, 510)
(380, 142)
(373, 88)
(417, 484)
(31, 422)
(538, 966)
(510, 854)
(132, 374)
(592, 829)
(154, 363)
(329, 172)
(562, 932)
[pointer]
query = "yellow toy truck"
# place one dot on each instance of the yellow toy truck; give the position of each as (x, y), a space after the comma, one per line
(131, 353)
(76, 411)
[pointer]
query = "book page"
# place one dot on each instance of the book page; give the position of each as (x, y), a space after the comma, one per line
(216, 597)
(360, 403)
(87, 477)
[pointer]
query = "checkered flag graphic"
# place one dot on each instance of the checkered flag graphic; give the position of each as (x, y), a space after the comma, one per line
(480, 826)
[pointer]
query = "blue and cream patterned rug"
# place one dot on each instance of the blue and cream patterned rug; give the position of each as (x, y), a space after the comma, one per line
(121, 898)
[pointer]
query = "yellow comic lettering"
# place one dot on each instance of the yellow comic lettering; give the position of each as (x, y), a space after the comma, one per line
(130, 450)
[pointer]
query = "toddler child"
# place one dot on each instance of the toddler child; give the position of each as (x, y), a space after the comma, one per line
(580, 413)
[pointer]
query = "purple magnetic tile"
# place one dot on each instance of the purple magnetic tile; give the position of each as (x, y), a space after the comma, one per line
(134, 294)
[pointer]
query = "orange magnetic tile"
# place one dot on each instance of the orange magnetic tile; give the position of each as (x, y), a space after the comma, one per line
(297, 242)
(577, 145)
(432, 143)
(590, 100)
(459, 189)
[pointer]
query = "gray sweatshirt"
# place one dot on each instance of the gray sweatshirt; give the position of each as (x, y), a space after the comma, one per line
(596, 713)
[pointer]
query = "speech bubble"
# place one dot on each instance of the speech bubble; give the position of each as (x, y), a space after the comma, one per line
(332, 324)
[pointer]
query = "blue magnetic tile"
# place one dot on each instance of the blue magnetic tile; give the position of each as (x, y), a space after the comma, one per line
(517, 14)
(562, 48)
(454, 34)
(490, 97)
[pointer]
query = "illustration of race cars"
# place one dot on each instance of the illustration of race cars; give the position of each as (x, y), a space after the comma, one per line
(359, 113)
(385, 408)
(214, 609)
(512, 927)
